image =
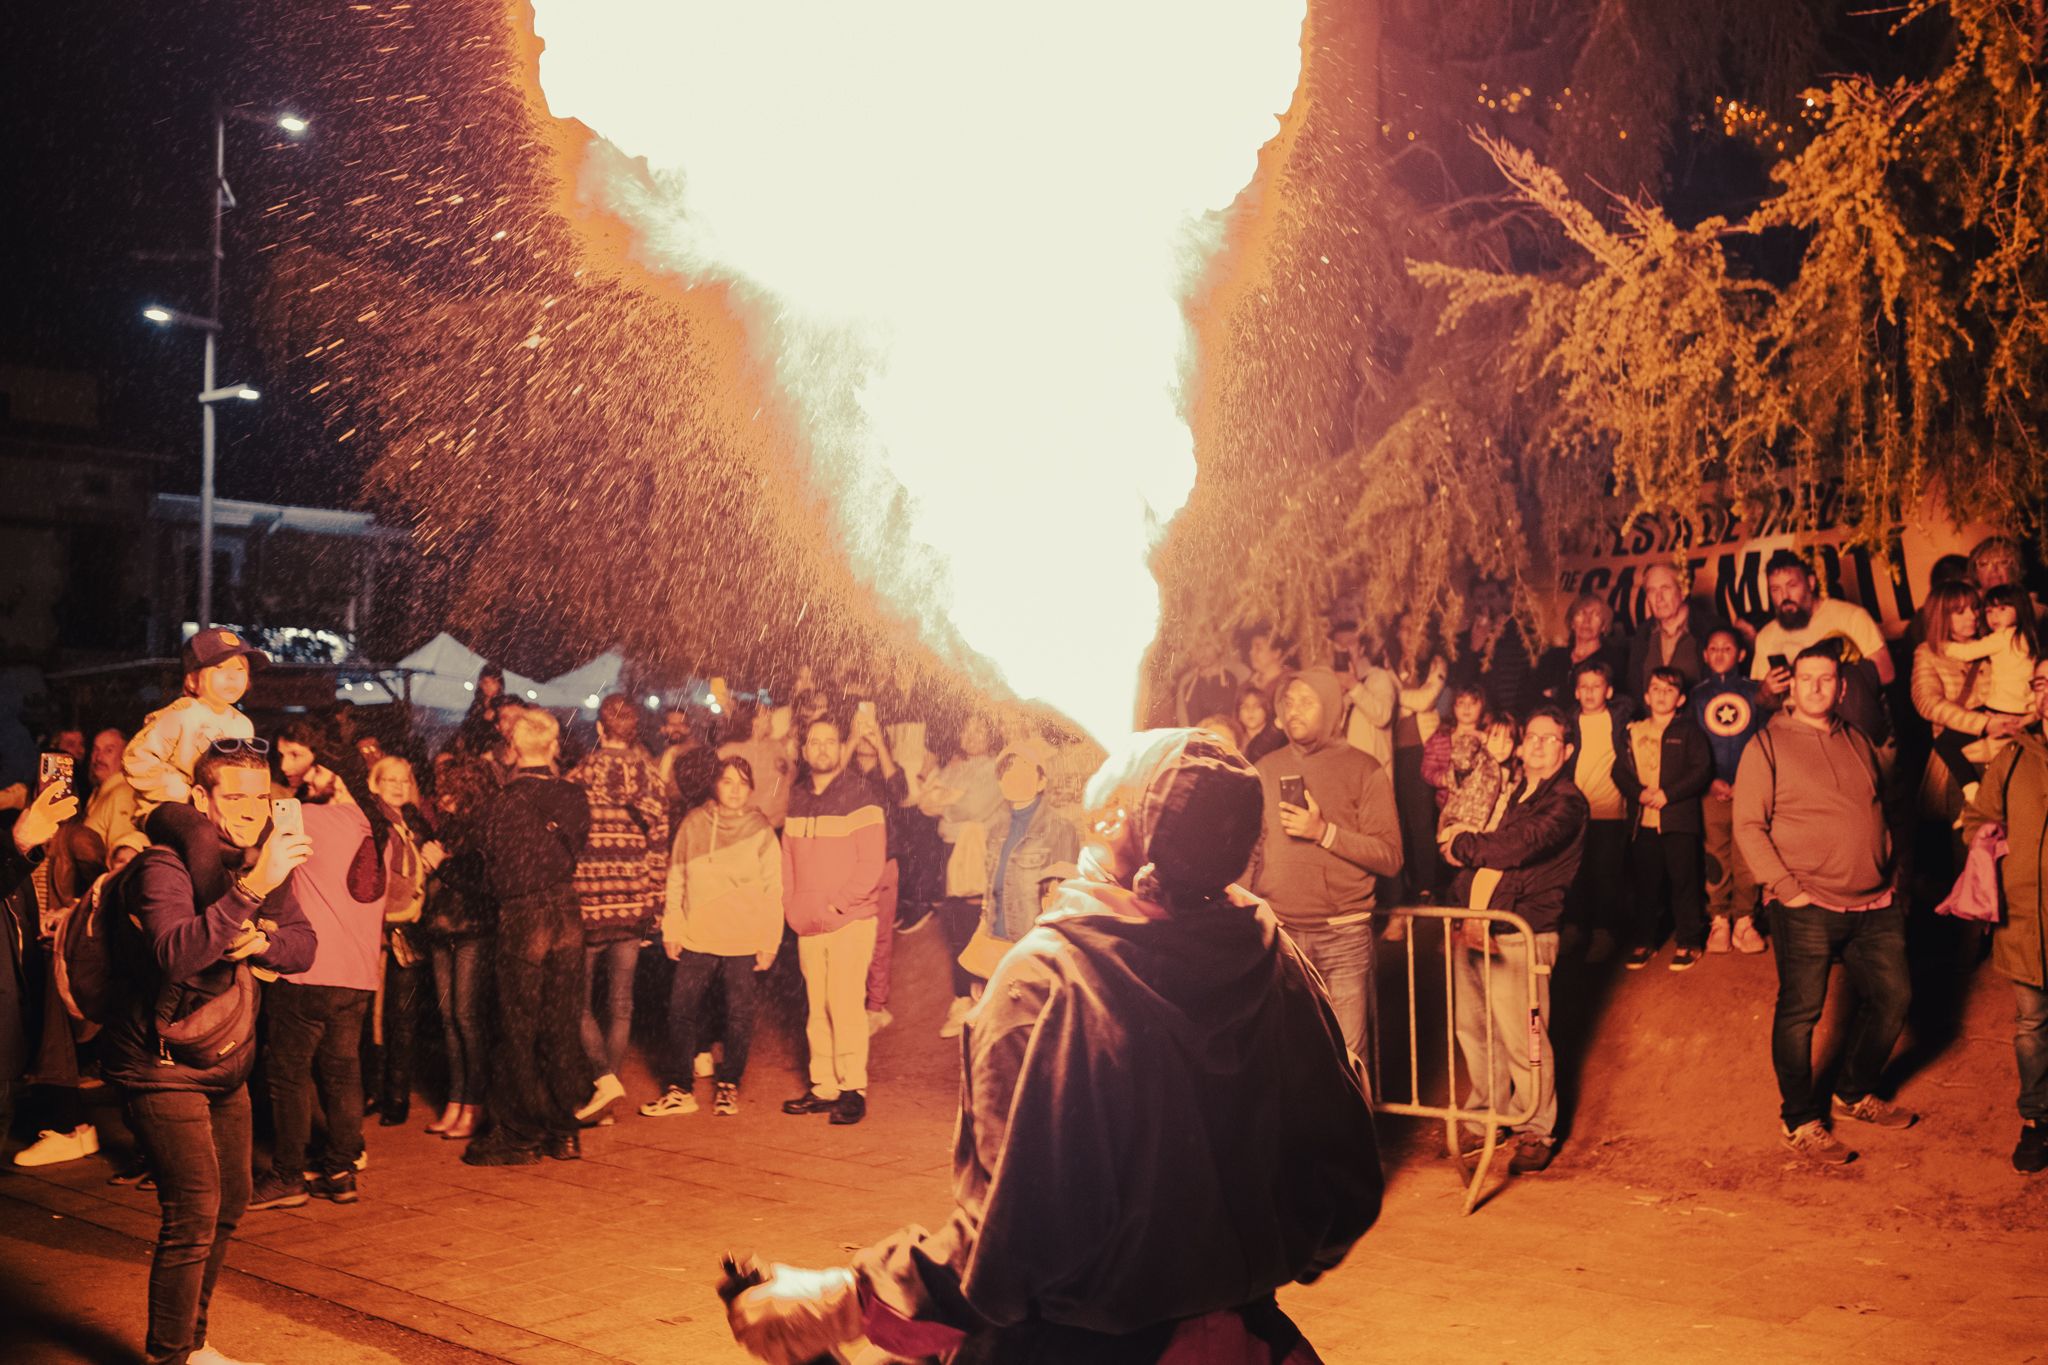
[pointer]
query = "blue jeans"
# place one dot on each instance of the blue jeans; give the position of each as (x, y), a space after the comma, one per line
(462, 975)
(1805, 941)
(1343, 956)
(1505, 1077)
(2030, 1046)
(606, 1046)
(198, 1150)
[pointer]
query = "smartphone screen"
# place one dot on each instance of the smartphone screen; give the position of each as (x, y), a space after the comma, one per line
(1780, 661)
(1294, 792)
(55, 769)
(287, 816)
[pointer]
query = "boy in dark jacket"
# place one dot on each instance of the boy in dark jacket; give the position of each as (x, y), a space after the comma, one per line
(1670, 768)
(1526, 864)
(206, 895)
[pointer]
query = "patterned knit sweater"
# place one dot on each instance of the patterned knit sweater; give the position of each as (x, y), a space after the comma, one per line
(624, 867)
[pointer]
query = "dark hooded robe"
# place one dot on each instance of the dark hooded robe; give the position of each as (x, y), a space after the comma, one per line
(1159, 1123)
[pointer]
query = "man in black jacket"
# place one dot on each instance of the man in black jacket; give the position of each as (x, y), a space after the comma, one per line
(1525, 864)
(533, 834)
(205, 896)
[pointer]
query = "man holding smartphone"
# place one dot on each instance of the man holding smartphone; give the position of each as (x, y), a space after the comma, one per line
(1330, 833)
(1799, 618)
(205, 905)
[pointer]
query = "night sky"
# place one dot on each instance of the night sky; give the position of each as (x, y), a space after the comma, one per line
(109, 111)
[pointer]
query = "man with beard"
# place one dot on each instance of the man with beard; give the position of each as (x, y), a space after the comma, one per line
(1321, 857)
(1159, 1123)
(1799, 619)
(834, 851)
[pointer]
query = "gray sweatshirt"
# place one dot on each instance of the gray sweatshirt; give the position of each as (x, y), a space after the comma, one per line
(1809, 813)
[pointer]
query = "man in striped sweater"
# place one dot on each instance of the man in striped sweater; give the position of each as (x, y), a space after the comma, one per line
(834, 847)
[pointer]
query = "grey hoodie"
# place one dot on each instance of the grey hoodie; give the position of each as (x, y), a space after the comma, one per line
(1809, 813)
(1313, 881)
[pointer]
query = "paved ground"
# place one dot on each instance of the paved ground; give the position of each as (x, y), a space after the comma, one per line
(1639, 1243)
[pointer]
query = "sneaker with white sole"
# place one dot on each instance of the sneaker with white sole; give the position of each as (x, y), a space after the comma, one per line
(1872, 1110)
(206, 1355)
(1747, 939)
(1813, 1141)
(956, 1016)
(52, 1147)
(725, 1100)
(674, 1102)
(1721, 938)
(608, 1088)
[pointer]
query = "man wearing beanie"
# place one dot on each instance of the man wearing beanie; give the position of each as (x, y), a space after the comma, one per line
(1160, 1124)
(1324, 851)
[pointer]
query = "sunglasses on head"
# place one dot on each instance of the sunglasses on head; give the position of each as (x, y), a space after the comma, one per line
(240, 746)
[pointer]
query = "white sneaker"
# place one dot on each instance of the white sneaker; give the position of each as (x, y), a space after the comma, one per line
(956, 1016)
(51, 1147)
(608, 1089)
(704, 1066)
(674, 1102)
(206, 1355)
(879, 1020)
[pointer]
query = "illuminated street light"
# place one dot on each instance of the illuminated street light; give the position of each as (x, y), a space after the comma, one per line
(210, 390)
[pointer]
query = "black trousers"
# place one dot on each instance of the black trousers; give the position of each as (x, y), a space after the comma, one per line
(1599, 896)
(539, 1072)
(315, 1042)
(1669, 875)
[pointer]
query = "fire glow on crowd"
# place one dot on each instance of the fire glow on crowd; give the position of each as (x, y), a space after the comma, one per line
(981, 310)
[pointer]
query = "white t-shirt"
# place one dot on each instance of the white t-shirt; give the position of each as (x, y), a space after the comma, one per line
(1831, 617)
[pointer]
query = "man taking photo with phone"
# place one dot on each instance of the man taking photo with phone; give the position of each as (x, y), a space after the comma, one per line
(207, 895)
(1330, 835)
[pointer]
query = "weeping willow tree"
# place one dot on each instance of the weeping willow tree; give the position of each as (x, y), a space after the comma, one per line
(1578, 344)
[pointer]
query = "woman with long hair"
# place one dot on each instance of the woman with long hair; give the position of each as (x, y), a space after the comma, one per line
(1255, 723)
(1947, 692)
(411, 854)
(457, 920)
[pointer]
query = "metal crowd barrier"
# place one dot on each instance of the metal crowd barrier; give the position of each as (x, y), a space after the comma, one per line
(1454, 1115)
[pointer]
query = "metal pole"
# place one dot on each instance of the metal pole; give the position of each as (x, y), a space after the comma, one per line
(220, 176)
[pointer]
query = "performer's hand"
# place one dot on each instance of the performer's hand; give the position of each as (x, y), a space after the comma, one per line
(796, 1315)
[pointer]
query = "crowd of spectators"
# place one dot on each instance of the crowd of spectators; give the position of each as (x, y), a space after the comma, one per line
(1692, 784)
(1695, 785)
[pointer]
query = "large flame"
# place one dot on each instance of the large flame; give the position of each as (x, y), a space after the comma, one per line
(966, 231)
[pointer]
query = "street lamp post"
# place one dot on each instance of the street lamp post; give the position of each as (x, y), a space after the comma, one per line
(211, 391)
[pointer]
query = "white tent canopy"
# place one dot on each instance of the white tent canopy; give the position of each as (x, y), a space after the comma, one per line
(443, 678)
(583, 687)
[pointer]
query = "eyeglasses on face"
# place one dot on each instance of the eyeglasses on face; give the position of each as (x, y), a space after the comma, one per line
(240, 746)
